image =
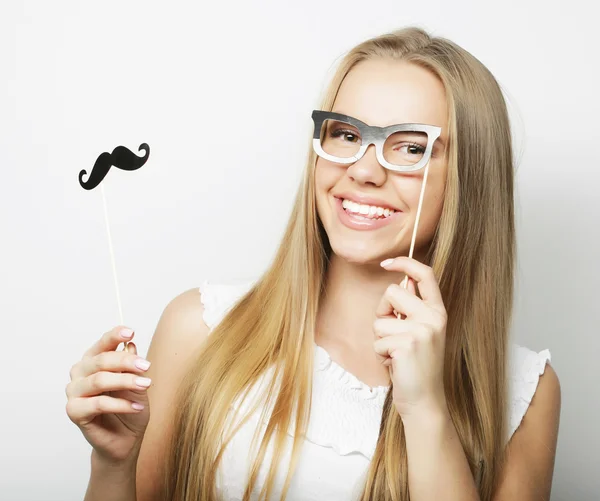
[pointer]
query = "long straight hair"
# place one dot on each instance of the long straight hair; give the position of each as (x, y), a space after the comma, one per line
(272, 327)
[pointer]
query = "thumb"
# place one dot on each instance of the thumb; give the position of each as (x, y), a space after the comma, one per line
(141, 396)
(131, 348)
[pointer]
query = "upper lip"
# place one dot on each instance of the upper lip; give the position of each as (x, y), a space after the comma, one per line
(366, 200)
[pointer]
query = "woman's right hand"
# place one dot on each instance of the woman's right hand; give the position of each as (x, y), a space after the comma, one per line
(100, 394)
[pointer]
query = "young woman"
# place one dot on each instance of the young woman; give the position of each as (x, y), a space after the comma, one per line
(324, 379)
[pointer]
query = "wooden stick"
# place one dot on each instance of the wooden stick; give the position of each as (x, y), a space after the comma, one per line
(112, 257)
(404, 282)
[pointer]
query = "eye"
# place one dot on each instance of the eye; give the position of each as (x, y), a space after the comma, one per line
(413, 149)
(345, 133)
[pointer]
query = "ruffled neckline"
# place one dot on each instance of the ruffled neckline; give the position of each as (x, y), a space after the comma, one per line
(332, 370)
(346, 412)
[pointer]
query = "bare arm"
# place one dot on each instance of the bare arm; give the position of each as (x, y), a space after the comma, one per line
(116, 483)
(531, 451)
(180, 333)
(438, 467)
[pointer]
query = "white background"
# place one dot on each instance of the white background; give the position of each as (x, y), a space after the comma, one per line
(79, 78)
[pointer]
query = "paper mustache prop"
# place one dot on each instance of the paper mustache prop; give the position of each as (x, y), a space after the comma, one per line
(124, 159)
(121, 157)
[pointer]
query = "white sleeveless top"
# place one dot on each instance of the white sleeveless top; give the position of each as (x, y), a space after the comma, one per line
(344, 422)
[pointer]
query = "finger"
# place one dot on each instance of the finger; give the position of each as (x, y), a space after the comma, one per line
(401, 300)
(102, 382)
(110, 341)
(424, 277)
(381, 350)
(384, 347)
(83, 410)
(384, 327)
(111, 361)
(408, 284)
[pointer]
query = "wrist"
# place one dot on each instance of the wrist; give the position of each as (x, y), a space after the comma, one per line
(115, 469)
(427, 416)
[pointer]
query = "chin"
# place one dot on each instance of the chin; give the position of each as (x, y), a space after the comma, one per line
(357, 253)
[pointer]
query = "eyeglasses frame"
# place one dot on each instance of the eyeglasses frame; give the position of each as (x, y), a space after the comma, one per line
(372, 134)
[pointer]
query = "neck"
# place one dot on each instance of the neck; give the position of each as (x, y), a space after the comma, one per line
(351, 295)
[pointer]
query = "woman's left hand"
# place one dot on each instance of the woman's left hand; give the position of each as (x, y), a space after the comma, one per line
(413, 347)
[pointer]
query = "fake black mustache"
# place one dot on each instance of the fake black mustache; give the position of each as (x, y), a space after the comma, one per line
(121, 157)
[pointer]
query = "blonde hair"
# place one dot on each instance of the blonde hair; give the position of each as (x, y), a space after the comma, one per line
(273, 324)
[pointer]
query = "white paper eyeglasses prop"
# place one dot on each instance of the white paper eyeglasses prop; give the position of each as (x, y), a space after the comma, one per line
(124, 159)
(400, 148)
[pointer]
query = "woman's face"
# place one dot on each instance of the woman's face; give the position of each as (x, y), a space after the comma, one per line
(382, 93)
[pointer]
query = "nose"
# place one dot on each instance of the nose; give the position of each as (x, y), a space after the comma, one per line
(368, 170)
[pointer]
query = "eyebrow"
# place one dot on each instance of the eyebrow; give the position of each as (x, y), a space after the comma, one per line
(439, 142)
(381, 126)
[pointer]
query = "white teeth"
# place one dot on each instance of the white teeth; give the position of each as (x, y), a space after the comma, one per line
(367, 210)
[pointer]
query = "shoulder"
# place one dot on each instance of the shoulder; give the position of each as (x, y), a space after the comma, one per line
(180, 329)
(533, 385)
(534, 423)
(526, 369)
(185, 313)
(219, 296)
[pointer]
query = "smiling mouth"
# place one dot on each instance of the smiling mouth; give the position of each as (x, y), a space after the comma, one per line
(358, 221)
(366, 212)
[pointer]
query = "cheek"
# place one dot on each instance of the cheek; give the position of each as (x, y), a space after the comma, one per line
(322, 185)
(326, 176)
(410, 190)
(432, 206)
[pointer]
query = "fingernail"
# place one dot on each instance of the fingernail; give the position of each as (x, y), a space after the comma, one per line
(126, 333)
(386, 262)
(143, 381)
(142, 364)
